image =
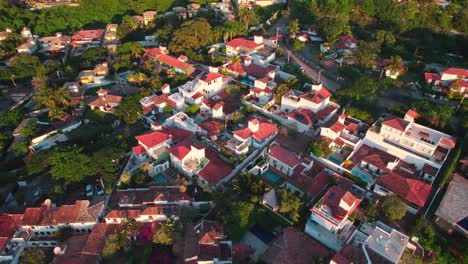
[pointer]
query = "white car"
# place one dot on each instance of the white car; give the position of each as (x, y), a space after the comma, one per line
(89, 190)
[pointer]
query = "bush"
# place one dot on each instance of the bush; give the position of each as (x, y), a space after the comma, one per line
(297, 45)
(320, 148)
(192, 110)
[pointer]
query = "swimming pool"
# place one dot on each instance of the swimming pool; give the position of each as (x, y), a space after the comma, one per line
(271, 176)
(198, 121)
(361, 175)
(335, 160)
(160, 178)
(246, 81)
(41, 146)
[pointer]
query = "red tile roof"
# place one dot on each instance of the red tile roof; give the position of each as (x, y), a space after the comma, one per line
(211, 76)
(3, 243)
(293, 246)
(317, 96)
(139, 149)
(335, 195)
(302, 115)
(77, 213)
(180, 151)
(9, 224)
(396, 122)
(337, 127)
(429, 76)
(347, 38)
(412, 113)
(174, 62)
(449, 142)
(413, 191)
(123, 214)
(284, 155)
(455, 71)
(245, 43)
(237, 68)
(88, 34)
(265, 130)
(108, 98)
(153, 138)
(212, 126)
(216, 169)
(177, 134)
(258, 71)
(197, 95)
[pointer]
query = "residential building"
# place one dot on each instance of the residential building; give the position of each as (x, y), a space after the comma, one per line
(195, 159)
(212, 128)
(382, 66)
(257, 133)
(346, 131)
(105, 102)
(183, 121)
(308, 110)
(144, 215)
(213, 246)
(88, 38)
(29, 47)
(239, 46)
(270, 200)
(154, 143)
(203, 86)
(419, 145)
(179, 64)
(146, 197)
(331, 219)
(292, 246)
(262, 90)
(346, 44)
(373, 243)
(54, 44)
(452, 213)
(448, 80)
(414, 192)
(149, 16)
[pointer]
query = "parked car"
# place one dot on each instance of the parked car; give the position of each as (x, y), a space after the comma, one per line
(99, 189)
(36, 194)
(89, 190)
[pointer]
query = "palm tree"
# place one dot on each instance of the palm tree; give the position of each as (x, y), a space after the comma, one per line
(129, 228)
(247, 16)
(39, 80)
(293, 28)
(137, 77)
(395, 64)
(218, 32)
(235, 59)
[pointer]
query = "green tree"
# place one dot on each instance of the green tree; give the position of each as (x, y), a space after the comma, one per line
(297, 45)
(192, 110)
(293, 28)
(320, 148)
(69, 164)
(250, 186)
(11, 119)
(247, 16)
(191, 36)
(32, 255)
(168, 109)
(393, 208)
(111, 246)
(165, 234)
(395, 64)
(365, 55)
(129, 228)
(290, 204)
(363, 88)
(130, 109)
(57, 100)
(137, 77)
(236, 117)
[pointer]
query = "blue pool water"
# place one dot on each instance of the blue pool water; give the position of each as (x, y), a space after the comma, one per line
(198, 121)
(361, 175)
(41, 146)
(263, 235)
(246, 81)
(335, 160)
(160, 178)
(271, 176)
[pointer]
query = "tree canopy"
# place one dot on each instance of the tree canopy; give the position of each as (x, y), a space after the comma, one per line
(69, 164)
(192, 35)
(130, 109)
(393, 208)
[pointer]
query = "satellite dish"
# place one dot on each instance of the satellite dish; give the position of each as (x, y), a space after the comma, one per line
(57, 251)
(48, 202)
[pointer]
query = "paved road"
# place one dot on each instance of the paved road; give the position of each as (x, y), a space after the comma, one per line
(312, 71)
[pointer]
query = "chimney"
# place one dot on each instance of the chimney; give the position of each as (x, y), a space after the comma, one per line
(316, 86)
(247, 61)
(258, 39)
(342, 118)
(58, 34)
(254, 125)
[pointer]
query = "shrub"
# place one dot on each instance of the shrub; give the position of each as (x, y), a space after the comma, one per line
(393, 208)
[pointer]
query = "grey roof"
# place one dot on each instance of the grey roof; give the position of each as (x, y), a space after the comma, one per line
(454, 206)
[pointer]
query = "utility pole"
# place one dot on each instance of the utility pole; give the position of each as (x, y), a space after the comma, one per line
(289, 55)
(13, 79)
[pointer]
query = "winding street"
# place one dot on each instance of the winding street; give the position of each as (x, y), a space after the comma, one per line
(312, 71)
